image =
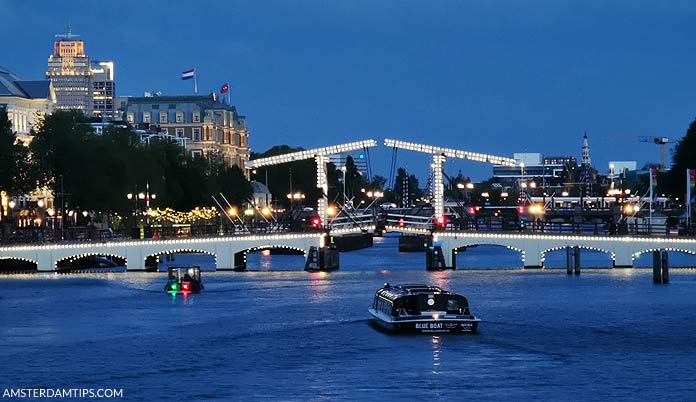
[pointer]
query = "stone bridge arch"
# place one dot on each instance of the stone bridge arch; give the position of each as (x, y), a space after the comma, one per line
(152, 260)
(240, 257)
(16, 265)
(89, 260)
(457, 250)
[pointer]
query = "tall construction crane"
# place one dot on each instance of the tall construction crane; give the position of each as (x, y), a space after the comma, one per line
(439, 155)
(321, 156)
(662, 142)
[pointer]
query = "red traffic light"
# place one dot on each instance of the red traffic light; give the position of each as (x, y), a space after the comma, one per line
(520, 209)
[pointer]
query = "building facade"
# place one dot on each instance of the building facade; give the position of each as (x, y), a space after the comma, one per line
(207, 126)
(69, 70)
(26, 102)
(103, 89)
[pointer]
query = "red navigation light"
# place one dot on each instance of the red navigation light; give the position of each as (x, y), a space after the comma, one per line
(316, 222)
(520, 209)
(401, 222)
(185, 286)
(441, 221)
(472, 210)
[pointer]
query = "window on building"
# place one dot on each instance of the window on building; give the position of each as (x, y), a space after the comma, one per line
(196, 154)
(179, 132)
(179, 117)
(196, 134)
(163, 117)
(146, 117)
(196, 117)
(130, 118)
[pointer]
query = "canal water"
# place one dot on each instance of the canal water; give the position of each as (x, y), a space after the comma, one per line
(277, 333)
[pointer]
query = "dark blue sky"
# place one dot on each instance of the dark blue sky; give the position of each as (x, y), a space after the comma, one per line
(493, 76)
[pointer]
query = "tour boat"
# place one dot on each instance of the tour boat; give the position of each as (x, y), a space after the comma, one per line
(421, 309)
(184, 280)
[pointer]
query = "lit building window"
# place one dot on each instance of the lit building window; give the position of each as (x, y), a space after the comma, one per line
(146, 117)
(196, 134)
(196, 117)
(179, 117)
(163, 117)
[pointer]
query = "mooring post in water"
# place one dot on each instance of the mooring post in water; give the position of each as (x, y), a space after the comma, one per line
(657, 267)
(577, 260)
(665, 266)
(569, 260)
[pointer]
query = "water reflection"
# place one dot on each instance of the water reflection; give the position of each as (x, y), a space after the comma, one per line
(441, 279)
(436, 354)
(266, 262)
(319, 286)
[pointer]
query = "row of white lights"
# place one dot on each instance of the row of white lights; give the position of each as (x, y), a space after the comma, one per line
(449, 152)
(609, 239)
(309, 154)
(241, 238)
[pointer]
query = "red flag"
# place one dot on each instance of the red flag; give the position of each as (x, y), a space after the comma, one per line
(225, 88)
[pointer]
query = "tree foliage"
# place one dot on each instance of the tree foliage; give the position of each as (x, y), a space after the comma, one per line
(683, 158)
(14, 163)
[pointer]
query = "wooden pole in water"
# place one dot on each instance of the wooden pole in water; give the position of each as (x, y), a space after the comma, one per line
(665, 266)
(657, 267)
(577, 260)
(569, 260)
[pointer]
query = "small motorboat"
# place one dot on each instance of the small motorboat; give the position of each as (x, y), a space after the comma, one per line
(421, 309)
(184, 280)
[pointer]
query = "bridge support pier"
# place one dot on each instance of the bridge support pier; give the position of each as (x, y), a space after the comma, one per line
(576, 268)
(660, 266)
(437, 258)
(322, 259)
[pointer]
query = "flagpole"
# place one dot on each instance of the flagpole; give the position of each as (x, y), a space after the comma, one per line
(195, 83)
(229, 101)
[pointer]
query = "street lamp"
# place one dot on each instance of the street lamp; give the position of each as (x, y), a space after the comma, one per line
(344, 169)
(11, 204)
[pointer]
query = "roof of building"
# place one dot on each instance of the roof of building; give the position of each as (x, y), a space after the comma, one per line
(206, 101)
(12, 85)
(259, 188)
(36, 89)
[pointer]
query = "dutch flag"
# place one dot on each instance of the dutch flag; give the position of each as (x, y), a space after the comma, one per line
(187, 75)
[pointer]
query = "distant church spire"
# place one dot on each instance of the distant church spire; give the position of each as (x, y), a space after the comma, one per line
(586, 161)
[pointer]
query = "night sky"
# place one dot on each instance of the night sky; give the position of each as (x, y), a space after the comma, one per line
(493, 76)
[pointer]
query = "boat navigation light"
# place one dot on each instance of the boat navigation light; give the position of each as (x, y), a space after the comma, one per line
(436, 316)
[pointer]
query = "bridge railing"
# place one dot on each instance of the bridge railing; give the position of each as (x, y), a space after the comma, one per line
(359, 219)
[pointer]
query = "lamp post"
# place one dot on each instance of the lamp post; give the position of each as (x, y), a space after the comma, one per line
(11, 205)
(51, 212)
(344, 169)
(136, 218)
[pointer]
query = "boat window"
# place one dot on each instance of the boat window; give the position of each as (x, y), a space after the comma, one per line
(452, 305)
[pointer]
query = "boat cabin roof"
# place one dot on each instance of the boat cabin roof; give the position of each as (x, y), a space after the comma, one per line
(179, 273)
(393, 292)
